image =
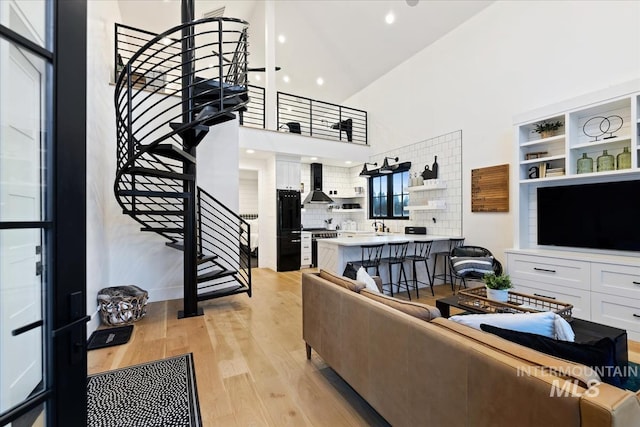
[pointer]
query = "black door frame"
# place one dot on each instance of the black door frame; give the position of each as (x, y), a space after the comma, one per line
(64, 312)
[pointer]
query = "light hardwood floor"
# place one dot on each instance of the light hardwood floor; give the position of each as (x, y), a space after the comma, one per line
(250, 361)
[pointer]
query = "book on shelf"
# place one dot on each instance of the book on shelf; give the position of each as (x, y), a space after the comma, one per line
(554, 172)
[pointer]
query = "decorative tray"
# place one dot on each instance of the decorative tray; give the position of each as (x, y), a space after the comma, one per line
(476, 299)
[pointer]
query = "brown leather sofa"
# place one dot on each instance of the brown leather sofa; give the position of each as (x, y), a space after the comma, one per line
(417, 372)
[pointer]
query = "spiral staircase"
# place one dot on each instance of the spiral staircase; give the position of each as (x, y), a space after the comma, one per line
(167, 96)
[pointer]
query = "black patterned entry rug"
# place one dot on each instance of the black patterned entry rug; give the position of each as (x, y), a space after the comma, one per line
(160, 393)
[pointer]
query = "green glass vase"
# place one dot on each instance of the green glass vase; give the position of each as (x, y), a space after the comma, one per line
(606, 162)
(585, 164)
(624, 159)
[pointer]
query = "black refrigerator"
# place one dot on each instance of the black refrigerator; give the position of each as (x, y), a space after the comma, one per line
(288, 232)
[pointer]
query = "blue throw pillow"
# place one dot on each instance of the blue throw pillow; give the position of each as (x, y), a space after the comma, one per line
(599, 355)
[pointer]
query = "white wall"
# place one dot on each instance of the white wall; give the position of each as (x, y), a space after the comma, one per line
(510, 58)
(100, 146)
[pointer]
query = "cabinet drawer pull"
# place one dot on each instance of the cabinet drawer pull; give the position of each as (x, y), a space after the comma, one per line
(636, 315)
(544, 296)
(635, 282)
(544, 269)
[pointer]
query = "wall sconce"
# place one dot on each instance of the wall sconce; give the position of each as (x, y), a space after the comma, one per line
(366, 172)
(385, 168)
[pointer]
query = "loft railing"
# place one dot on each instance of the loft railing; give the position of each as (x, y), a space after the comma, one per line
(296, 114)
(254, 115)
(320, 119)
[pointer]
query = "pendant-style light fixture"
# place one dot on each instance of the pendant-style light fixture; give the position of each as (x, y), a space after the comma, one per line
(366, 172)
(386, 168)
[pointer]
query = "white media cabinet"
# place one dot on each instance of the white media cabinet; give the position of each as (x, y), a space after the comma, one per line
(603, 286)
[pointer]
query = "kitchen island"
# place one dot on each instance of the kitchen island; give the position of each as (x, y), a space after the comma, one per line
(333, 254)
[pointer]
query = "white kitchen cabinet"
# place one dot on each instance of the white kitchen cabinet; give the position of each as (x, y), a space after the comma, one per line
(287, 175)
(305, 249)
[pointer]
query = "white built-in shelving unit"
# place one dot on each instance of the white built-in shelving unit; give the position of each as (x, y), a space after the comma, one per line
(603, 286)
(565, 148)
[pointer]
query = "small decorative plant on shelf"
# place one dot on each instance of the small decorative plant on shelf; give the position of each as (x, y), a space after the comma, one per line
(547, 129)
(497, 286)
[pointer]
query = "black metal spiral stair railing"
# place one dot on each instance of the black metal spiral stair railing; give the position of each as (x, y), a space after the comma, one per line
(167, 95)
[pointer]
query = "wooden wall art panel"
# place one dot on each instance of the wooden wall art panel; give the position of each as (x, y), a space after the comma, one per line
(490, 189)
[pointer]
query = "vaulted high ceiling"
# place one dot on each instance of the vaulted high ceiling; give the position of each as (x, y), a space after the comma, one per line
(346, 43)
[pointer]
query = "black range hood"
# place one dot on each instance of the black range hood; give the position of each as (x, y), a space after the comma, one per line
(316, 195)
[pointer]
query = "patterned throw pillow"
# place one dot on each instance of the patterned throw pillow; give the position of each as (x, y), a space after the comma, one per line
(479, 265)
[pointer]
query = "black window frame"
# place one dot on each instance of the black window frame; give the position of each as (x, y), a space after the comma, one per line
(389, 196)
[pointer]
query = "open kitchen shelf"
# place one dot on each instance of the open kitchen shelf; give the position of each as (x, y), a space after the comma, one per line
(435, 185)
(346, 211)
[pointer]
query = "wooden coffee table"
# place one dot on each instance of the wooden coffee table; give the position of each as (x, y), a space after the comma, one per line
(585, 330)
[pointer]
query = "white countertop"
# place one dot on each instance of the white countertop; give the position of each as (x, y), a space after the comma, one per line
(387, 238)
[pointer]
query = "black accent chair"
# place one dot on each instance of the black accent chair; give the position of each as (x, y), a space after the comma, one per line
(294, 127)
(468, 269)
(346, 126)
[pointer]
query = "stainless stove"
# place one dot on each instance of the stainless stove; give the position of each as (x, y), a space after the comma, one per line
(318, 233)
(323, 234)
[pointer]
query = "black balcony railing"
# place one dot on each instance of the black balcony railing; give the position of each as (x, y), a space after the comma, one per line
(254, 116)
(320, 119)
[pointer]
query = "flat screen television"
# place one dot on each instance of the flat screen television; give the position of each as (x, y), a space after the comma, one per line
(598, 216)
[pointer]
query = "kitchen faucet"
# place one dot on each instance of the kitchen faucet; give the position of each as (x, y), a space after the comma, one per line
(381, 223)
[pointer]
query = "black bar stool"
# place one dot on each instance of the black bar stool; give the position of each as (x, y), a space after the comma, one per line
(397, 256)
(421, 253)
(371, 255)
(453, 243)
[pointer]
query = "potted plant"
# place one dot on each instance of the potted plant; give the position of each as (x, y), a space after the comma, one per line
(547, 129)
(497, 286)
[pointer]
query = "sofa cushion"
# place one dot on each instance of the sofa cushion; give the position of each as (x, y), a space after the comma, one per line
(600, 355)
(420, 311)
(363, 276)
(536, 323)
(345, 282)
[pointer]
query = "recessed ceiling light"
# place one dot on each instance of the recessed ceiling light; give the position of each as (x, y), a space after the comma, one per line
(285, 79)
(166, 41)
(348, 162)
(320, 81)
(314, 158)
(250, 151)
(282, 38)
(258, 78)
(390, 18)
(289, 109)
(211, 65)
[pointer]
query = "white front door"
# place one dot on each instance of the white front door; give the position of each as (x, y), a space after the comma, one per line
(21, 298)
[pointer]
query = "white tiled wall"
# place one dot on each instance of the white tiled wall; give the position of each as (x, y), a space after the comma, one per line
(334, 179)
(448, 149)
